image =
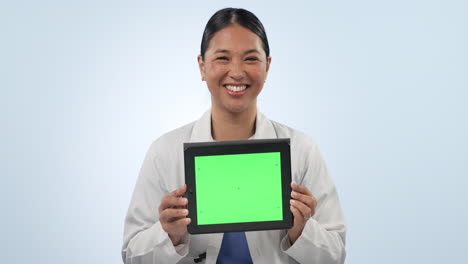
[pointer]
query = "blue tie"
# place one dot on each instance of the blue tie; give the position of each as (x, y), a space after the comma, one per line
(234, 249)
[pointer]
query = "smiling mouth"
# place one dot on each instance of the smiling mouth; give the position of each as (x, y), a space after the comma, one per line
(236, 88)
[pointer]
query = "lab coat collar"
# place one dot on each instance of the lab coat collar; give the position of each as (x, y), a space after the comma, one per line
(202, 128)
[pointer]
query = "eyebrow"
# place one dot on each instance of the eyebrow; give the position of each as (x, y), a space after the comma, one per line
(245, 53)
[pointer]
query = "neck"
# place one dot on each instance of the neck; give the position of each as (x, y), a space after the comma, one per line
(226, 125)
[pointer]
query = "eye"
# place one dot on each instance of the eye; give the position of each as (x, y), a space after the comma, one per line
(222, 58)
(251, 59)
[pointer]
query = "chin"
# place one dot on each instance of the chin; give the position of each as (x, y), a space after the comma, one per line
(236, 109)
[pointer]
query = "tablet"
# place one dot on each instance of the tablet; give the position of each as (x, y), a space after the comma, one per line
(235, 186)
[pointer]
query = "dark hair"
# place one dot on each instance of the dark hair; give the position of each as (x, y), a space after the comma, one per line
(233, 16)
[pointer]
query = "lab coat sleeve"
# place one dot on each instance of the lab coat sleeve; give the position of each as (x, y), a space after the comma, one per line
(323, 239)
(145, 241)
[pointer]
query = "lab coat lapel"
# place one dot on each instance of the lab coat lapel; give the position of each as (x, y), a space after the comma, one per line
(213, 247)
(263, 128)
(201, 131)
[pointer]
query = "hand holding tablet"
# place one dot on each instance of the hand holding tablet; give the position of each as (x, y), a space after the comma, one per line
(172, 214)
(303, 205)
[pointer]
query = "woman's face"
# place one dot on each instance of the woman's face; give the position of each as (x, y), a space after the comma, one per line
(235, 68)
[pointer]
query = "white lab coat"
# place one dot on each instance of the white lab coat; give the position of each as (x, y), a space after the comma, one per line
(322, 241)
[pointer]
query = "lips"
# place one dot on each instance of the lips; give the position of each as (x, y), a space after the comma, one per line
(236, 89)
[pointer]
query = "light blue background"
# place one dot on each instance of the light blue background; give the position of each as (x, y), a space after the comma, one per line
(381, 86)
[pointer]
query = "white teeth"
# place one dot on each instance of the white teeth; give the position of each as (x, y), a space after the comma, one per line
(236, 88)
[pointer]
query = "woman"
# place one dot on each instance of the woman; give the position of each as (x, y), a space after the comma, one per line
(234, 61)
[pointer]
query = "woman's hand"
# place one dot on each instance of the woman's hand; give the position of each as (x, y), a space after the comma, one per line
(172, 214)
(303, 206)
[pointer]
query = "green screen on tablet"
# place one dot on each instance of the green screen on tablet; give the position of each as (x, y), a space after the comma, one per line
(238, 188)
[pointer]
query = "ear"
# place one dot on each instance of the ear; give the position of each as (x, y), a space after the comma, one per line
(268, 63)
(201, 66)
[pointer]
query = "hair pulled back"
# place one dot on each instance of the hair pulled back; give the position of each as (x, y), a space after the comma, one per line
(233, 16)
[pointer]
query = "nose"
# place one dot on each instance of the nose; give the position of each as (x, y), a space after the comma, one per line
(236, 71)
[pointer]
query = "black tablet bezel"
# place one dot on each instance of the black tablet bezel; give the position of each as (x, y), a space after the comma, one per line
(238, 147)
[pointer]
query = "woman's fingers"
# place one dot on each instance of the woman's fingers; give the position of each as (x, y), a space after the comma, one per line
(169, 201)
(172, 214)
(298, 217)
(303, 205)
(179, 226)
(305, 210)
(300, 189)
(176, 229)
(308, 200)
(302, 195)
(180, 191)
(174, 199)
